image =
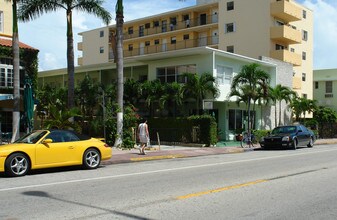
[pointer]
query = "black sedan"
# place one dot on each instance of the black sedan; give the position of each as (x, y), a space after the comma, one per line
(289, 136)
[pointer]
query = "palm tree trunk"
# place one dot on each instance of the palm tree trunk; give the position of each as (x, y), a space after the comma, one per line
(279, 113)
(119, 35)
(275, 114)
(16, 70)
(70, 60)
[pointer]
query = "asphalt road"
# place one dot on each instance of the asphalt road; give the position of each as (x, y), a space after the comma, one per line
(276, 184)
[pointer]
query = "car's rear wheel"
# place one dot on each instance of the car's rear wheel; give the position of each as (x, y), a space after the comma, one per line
(311, 143)
(91, 158)
(294, 144)
(17, 164)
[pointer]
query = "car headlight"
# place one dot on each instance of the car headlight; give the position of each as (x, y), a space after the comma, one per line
(286, 138)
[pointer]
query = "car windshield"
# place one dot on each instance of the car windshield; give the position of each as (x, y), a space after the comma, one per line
(284, 130)
(31, 138)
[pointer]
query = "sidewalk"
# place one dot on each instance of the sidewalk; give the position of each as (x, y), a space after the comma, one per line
(169, 152)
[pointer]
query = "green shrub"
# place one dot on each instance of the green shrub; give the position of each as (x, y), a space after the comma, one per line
(258, 134)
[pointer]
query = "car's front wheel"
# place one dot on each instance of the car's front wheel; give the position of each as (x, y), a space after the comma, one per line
(91, 158)
(311, 142)
(294, 144)
(17, 164)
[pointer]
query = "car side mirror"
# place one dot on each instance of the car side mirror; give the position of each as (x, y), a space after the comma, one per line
(47, 141)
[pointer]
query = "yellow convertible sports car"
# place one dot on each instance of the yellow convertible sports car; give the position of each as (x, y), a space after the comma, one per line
(52, 148)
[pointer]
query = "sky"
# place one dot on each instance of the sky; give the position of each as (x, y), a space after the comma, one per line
(48, 32)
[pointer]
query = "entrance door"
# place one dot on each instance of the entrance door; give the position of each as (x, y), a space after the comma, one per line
(203, 19)
(202, 39)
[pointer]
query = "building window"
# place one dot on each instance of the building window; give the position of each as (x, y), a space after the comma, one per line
(304, 14)
(130, 30)
(156, 41)
(230, 6)
(279, 47)
(230, 49)
(6, 76)
(147, 43)
(101, 50)
(316, 85)
(328, 87)
(173, 40)
(304, 76)
(304, 55)
(156, 24)
(147, 25)
(1, 21)
(101, 34)
(186, 36)
(174, 73)
(130, 47)
(224, 75)
(141, 31)
(304, 35)
(237, 117)
(292, 50)
(163, 26)
(304, 95)
(230, 27)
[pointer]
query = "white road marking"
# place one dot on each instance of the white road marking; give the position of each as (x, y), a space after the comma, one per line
(158, 171)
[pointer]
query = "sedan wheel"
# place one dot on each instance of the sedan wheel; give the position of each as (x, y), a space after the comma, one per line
(91, 158)
(294, 145)
(17, 164)
(311, 143)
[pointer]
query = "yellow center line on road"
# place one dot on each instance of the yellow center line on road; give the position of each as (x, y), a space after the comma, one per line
(171, 156)
(220, 189)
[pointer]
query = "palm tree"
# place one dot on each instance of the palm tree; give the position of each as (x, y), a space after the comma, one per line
(34, 8)
(278, 94)
(172, 96)
(16, 71)
(249, 80)
(151, 92)
(120, 73)
(301, 106)
(200, 87)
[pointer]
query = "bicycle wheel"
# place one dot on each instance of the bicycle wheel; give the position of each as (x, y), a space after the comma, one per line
(244, 143)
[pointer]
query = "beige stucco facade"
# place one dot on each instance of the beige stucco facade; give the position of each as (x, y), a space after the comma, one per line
(324, 86)
(6, 18)
(281, 30)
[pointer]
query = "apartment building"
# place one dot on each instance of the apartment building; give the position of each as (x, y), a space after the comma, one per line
(27, 67)
(218, 37)
(325, 83)
(6, 20)
(280, 29)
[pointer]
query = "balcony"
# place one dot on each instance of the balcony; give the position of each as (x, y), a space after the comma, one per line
(286, 10)
(185, 44)
(287, 56)
(198, 22)
(80, 46)
(285, 34)
(297, 83)
(80, 61)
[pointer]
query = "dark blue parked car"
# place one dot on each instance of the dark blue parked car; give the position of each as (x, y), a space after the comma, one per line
(289, 136)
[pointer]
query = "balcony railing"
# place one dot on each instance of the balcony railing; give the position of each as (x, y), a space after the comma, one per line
(286, 10)
(287, 56)
(199, 21)
(297, 83)
(178, 45)
(285, 34)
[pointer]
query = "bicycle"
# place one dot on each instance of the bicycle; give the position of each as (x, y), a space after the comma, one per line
(247, 141)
